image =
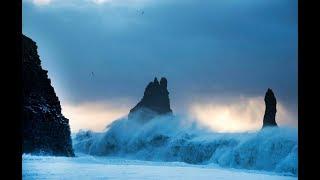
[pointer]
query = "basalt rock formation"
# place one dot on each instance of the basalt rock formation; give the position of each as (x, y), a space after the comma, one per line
(155, 101)
(269, 118)
(45, 129)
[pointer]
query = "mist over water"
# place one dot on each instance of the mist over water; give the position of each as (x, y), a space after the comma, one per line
(178, 138)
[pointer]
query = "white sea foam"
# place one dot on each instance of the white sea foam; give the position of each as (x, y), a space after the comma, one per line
(173, 138)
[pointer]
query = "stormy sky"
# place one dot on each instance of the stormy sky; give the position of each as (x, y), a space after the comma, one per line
(219, 56)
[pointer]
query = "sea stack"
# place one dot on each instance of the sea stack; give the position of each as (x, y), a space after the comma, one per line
(45, 129)
(155, 101)
(269, 119)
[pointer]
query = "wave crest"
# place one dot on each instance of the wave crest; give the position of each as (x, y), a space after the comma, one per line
(173, 138)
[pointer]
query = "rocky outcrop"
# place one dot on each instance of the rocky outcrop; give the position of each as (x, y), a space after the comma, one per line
(269, 118)
(155, 101)
(44, 128)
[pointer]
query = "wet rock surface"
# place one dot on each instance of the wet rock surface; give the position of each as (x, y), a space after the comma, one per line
(45, 129)
(269, 119)
(155, 100)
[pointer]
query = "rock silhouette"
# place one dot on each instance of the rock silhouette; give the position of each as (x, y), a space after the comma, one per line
(271, 109)
(155, 101)
(44, 128)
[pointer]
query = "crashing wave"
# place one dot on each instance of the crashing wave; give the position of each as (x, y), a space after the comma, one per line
(173, 138)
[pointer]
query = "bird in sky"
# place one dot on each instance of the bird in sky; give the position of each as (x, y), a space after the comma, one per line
(141, 12)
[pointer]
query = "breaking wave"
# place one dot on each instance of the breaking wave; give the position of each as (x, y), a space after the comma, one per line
(174, 138)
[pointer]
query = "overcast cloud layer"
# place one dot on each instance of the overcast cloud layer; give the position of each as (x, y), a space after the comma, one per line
(206, 49)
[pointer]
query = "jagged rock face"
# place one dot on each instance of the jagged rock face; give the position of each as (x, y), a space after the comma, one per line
(269, 118)
(44, 128)
(155, 100)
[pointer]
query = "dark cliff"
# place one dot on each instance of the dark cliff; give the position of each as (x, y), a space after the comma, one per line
(155, 100)
(269, 118)
(45, 129)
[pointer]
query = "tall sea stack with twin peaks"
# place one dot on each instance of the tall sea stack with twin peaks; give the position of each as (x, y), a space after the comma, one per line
(269, 119)
(45, 129)
(155, 101)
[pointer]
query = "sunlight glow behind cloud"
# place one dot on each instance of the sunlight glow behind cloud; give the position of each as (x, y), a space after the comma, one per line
(92, 115)
(243, 115)
(80, 3)
(41, 2)
(101, 1)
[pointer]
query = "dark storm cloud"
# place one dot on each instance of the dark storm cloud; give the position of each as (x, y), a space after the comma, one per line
(204, 48)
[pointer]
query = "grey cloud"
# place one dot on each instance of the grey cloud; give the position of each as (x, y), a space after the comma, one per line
(207, 48)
